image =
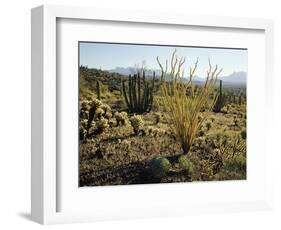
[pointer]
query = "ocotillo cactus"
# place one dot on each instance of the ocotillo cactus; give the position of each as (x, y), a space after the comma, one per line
(221, 100)
(138, 94)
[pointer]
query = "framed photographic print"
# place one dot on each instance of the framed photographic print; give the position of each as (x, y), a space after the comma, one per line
(137, 114)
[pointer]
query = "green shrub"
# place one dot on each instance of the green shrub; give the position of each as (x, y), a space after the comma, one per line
(237, 164)
(185, 164)
(159, 167)
(234, 169)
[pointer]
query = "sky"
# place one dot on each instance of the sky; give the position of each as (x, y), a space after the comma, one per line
(108, 56)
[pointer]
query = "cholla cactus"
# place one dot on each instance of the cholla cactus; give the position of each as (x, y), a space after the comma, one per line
(84, 109)
(106, 108)
(153, 131)
(84, 114)
(92, 112)
(107, 111)
(85, 105)
(92, 130)
(158, 117)
(96, 103)
(236, 121)
(99, 113)
(108, 115)
(121, 118)
(225, 109)
(102, 125)
(82, 133)
(137, 123)
(83, 123)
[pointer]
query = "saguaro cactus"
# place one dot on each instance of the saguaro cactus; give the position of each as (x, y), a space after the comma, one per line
(221, 100)
(98, 90)
(138, 94)
(240, 99)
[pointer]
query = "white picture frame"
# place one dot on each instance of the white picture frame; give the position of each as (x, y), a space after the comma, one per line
(45, 90)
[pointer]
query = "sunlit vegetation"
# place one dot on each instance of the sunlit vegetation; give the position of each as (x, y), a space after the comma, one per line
(142, 129)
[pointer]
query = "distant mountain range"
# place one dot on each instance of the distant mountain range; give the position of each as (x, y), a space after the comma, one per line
(131, 70)
(234, 78)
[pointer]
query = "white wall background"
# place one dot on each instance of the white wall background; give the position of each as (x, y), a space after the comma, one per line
(15, 113)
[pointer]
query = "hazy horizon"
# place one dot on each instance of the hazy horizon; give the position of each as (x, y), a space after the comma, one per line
(108, 56)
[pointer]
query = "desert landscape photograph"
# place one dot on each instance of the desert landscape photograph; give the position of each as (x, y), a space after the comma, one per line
(161, 114)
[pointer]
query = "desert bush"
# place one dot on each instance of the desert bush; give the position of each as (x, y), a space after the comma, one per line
(225, 109)
(229, 147)
(208, 125)
(244, 134)
(201, 132)
(212, 119)
(159, 167)
(137, 123)
(185, 164)
(154, 131)
(234, 169)
(236, 121)
(121, 118)
(237, 164)
(184, 110)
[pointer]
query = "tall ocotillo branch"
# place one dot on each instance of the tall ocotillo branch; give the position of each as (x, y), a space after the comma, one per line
(183, 108)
